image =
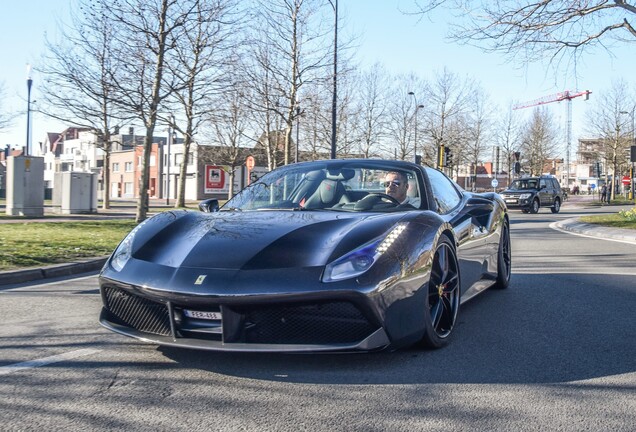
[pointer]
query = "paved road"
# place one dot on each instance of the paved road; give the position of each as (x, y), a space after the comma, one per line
(555, 351)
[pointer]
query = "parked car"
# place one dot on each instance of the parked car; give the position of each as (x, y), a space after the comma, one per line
(531, 193)
(315, 256)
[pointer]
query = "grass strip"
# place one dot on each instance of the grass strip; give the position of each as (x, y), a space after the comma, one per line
(45, 243)
(609, 220)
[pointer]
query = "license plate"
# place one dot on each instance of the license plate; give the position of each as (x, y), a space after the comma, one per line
(216, 316)
(509, 200)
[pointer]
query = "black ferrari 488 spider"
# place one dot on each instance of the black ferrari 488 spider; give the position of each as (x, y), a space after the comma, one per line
(337, 255)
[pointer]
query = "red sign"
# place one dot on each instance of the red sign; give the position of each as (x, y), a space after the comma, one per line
(249, 162)
(214, 178)
(626, 180)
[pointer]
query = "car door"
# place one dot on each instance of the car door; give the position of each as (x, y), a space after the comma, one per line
(545, 194)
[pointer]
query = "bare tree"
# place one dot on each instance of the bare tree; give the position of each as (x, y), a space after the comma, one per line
(230, 124)
(400, 117)
(448, 98)
(316, 122)
(290, 52)
(508, 136)
(477, 127)
(202, 65)
(79, 72)
(5, 117)
(372, 107)
(147, 32)
(606, 120)
(540, 140)
(534, 30)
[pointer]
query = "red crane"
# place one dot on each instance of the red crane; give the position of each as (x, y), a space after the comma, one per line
(558, 97)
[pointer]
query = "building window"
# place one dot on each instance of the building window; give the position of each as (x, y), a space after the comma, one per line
(178, 158)
(128, 188)
(129, 166)
(152, 160)
(116, 167)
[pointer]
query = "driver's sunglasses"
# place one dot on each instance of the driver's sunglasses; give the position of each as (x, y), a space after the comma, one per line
(394, 182)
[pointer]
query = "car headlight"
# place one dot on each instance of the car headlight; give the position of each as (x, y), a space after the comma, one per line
(525, 196)
(361, 259)
(124, 251)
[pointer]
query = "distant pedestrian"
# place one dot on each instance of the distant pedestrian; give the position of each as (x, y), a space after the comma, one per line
(589, 189)
(603, 193)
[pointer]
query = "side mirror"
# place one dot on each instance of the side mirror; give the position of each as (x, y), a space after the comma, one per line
(209, 205)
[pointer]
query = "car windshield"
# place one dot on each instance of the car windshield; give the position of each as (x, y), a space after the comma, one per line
(344, 186)
(524, 184)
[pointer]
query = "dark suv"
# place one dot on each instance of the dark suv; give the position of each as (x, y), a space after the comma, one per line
(531, 193)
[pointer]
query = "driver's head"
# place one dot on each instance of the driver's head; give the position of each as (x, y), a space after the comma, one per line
(396, 185)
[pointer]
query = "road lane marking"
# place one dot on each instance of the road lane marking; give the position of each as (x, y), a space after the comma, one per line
(6, 370)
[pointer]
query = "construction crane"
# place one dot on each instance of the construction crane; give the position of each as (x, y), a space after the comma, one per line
(558, 97)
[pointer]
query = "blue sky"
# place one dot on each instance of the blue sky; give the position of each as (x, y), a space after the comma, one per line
(402, 43)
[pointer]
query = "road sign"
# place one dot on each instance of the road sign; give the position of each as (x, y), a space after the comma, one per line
(494, 183)
(626, 180)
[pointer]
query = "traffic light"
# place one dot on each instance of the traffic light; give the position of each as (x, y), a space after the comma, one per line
(517, 168)
(448, 157)
(418, 159)
(597, 169)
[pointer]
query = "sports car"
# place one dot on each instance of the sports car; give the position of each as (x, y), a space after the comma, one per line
(319, 256)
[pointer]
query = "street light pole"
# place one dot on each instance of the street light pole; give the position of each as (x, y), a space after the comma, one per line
(297, 130)
(417, 108)
(28, 124)
(170, 138)
(335, 79)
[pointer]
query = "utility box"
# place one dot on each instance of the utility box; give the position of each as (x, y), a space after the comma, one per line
(74, 192)
(25, 186)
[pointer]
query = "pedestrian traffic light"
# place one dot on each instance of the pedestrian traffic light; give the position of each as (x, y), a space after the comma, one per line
(597, 169)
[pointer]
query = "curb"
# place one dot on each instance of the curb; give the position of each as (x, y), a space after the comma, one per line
(573, 225)
(59, 270)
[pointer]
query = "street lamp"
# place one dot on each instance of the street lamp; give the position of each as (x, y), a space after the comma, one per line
(28, 125)
(417, 108)
(334, 5)
(297, 130)
(172, 136)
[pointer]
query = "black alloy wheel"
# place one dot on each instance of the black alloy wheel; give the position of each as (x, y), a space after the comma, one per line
(557, 206)
(504, 258)
(535, 206)
(442, 305)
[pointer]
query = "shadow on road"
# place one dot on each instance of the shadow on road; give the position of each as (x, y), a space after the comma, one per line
(529, 334)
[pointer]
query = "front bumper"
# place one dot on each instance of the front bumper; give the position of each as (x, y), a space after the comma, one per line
(513, 203)
(318, 325)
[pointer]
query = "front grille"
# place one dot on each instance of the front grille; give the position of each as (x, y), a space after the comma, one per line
(326, 323)
(137, 312)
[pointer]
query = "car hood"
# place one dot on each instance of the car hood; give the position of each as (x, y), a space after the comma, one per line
(260, 239)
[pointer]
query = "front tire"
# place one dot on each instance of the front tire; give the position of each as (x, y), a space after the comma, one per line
(442, 300)
(534, 208)
(556, 207)
(504, 258)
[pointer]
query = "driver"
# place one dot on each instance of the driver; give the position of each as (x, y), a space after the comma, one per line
(396, 186)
